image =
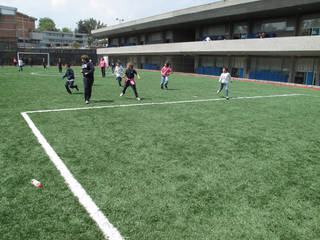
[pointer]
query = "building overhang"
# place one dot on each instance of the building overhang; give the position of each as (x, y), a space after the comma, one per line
(222, 10)
(286, 46)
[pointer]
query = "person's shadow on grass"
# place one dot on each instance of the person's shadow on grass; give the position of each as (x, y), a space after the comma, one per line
(102, 101)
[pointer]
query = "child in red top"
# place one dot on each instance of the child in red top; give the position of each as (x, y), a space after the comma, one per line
(165, 72)
(130, 72)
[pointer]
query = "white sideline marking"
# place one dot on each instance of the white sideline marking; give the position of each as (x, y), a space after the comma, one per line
(161, 103)
(85, 200)
(109, 231)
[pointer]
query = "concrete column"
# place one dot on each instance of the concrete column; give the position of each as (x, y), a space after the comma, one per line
(297, 25)
(292, 73)
(196, 62)
(317, 80)
(230, 30)
(197, 34)
(246, 66)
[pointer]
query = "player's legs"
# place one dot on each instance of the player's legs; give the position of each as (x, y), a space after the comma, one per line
(67, 87)
(227, 90)
(126, 85)
(221, 87)
(166, 82)
(162, 81)
(134, 89)
(119, 81)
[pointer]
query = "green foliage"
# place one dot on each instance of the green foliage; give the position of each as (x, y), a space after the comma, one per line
(86, 26)
(46, 24)
(76, 44)
(66, 30)
(240, 169)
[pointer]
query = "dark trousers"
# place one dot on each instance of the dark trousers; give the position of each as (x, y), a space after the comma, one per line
(103, 71)
(127, 84)
(60, 69)
(119, 81)
(87, 83)
(70, 83)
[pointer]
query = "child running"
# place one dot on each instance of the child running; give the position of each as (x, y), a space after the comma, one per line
(224, 79)
(165, 72)
(70, 79)
(130, 72)
(118, 72)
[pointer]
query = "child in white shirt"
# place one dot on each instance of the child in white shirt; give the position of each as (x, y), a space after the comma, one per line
(224, 79)
(118, 72)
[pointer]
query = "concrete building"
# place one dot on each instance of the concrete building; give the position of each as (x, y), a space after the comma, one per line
(276, 40)
(14, 27)
(47, 39)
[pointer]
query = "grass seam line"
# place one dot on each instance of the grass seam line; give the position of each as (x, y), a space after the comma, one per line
(109, 231)
(161, 103)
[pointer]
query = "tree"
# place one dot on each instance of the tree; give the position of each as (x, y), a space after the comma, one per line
(75, 44)
(86, 26)
(46, 24)
(66, 30)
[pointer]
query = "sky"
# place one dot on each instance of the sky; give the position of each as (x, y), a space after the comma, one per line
(66, 13)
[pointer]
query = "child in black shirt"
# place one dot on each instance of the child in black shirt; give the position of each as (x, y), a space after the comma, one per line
(70, 79)
(130, 72)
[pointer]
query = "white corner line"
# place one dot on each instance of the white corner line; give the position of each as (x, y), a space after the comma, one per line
(161, 103)
(109, 231)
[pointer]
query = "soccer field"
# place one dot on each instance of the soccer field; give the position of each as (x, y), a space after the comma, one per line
(183, 163)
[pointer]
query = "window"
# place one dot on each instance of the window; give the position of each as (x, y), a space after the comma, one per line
(310, 27)
(274, 27)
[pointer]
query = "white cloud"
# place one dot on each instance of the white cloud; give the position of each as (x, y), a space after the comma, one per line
(66, 13)
(58, 3)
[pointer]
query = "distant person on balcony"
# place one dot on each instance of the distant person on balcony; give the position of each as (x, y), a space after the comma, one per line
(20, 65)
(70, 79)
(88, 77)
(118, 72)
(224, 80)
(103, 66)
(130, 81)
(262, 35)
(44, 63)
(60, 65)
(15, 62)
(165, 72)
(208, 39)
(112, 65)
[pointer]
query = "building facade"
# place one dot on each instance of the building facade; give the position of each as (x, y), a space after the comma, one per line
(276, 40)
(47, 39)
(14, 27)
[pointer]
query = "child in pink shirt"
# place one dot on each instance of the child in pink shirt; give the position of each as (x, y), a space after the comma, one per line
(165, 72)
(103, 65)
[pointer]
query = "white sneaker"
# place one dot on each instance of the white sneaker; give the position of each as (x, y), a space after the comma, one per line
(121, 94)
(87, 102)
(218, 92)
(138, 98)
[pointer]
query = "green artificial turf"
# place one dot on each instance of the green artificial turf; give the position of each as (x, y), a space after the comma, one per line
(238, 169)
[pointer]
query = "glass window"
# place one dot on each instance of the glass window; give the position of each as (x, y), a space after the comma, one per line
(274, 27)
(310, 27)
(240, 28)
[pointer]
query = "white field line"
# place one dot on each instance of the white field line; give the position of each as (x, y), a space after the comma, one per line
(85, 200)
(109, 231)
(161, 103)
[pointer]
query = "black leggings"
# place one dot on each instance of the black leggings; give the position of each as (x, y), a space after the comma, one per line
(127, 84)
(70, 83)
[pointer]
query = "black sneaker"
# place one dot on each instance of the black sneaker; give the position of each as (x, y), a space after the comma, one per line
(166, 86)
(161, 87)
(227, 98)
(77, 88)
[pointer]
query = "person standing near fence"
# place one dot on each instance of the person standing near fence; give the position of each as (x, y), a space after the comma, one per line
(88, 77)
(60, 65)
(20, 65)
(44, 63)
(15, 62)
(103, 66)
(224, 80)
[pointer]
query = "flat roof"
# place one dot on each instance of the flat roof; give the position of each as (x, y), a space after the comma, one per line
(211, 11)
(8, 8)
